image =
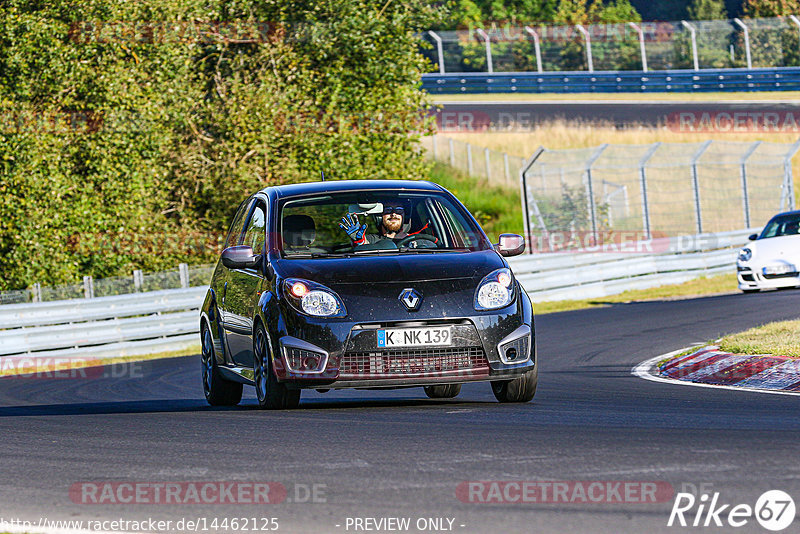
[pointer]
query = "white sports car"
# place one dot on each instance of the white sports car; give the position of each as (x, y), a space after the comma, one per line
(773, 257)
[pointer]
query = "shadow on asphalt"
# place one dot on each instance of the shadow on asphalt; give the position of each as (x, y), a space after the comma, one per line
(195, 405)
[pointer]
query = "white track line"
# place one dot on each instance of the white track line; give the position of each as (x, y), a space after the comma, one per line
(645, 370)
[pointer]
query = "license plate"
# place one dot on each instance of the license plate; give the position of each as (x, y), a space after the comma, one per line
(414, 337)
(779, 269)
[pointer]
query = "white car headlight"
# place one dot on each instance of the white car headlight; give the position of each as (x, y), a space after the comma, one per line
(495, 291)
(319, 303)
(745, 254)
(312, 298)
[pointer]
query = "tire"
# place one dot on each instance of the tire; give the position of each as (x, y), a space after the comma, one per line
(271, 394)
(446, 391)
(218, 391)
(520, 389)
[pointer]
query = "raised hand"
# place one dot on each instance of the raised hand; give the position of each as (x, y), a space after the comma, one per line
(355, 230)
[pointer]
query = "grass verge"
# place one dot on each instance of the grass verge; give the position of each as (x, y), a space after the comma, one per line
(497, 209)
(714, 285)
(780, 339)
(777, 96)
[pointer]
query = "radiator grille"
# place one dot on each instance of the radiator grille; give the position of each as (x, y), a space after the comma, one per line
(413, 362)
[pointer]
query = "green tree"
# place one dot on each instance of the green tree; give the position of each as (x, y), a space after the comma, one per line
(707, 10)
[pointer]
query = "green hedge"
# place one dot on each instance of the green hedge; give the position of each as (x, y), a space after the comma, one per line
(130, 132)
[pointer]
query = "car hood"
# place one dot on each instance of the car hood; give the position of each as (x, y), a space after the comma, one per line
(394, 268)
(784, 248)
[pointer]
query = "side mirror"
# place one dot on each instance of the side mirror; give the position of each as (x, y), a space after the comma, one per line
(510, 245)
(752, 237)
(239, 257)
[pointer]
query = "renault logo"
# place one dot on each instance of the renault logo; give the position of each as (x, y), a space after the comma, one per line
(410, 298)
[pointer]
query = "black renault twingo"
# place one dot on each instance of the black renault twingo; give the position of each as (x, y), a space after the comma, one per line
(364, 284)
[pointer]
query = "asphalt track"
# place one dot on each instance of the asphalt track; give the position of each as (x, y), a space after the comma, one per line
(399, 454)
(525, 115)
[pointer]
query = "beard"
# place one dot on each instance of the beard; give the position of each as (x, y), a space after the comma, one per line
(394, 224)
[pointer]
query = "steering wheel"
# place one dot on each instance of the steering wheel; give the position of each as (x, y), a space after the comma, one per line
(418, 237)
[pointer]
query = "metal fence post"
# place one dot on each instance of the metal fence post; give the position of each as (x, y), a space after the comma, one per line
(527, 203)
(743, 175)
(797, 23)
(183, 271)
(488, 164)
(439, 51)
(643, 185)
(641, 44)
(88, 287)
(37, 292)
(787, 172)
(696, 185)
(138, 280)
(452, 152)
(488, 44)
(743, 26)
(590, 190)
(505, 166)
(536, 49)
(469, 160)
(588, 40)
(693, 33)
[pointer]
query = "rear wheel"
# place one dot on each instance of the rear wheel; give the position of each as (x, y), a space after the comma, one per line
(271, 394)
(446, 391)
(520, 389)
(218, 391)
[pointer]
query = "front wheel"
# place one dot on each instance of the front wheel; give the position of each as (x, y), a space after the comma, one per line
(218, 391)
(520, 389)
(445, 391)
(271, 394)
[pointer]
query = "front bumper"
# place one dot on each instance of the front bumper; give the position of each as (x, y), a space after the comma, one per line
(753, 277)
(504, 352)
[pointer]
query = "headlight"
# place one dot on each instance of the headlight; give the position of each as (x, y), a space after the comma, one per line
(312, 298)
(745, 254)
(496, 290)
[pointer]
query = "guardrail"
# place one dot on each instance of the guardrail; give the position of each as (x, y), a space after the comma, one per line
(771, 79)
(567, 276)
(168, 320)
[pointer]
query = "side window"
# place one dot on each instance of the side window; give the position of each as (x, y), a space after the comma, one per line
(256, 229)
(235, 231)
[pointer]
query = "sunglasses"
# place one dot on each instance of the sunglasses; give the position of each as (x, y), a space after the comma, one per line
(393, 209)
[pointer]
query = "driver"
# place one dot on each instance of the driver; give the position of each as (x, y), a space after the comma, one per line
(391, 225)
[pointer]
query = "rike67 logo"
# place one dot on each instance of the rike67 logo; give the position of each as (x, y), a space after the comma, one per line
(774, 510)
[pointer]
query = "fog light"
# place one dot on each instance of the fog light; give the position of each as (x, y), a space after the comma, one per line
(302, 360)
(511, 354)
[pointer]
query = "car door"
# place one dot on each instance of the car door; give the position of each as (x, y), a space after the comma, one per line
(244, 290)
(221, 276)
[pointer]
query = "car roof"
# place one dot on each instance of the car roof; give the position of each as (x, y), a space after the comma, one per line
(331, 186)
(795, 212)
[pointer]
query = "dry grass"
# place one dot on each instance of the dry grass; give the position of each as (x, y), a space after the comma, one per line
(562, 134)
(776, 96)
(715, 285)
(781, 338)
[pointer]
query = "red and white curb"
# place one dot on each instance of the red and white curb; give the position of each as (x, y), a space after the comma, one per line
(710, 367)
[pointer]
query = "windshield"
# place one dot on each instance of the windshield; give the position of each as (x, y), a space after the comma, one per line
(377, 222)
(782, 225)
